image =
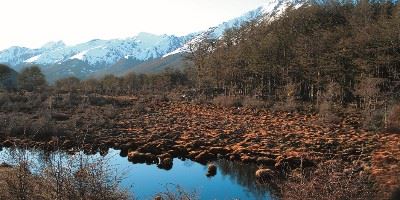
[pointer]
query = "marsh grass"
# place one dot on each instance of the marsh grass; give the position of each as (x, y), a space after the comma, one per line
(329, 181)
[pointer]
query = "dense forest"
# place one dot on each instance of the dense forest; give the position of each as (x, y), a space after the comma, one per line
(308, 52)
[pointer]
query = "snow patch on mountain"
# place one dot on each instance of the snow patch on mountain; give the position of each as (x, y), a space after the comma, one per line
(33, 59)
(271, 10)
(80, 55)
(217, 31)
(274, 9)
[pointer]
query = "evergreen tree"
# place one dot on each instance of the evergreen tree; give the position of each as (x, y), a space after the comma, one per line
(31, 79)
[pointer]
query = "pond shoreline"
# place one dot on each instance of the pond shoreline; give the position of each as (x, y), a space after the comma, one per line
(144, 181)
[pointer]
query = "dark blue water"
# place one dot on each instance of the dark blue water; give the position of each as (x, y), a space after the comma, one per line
(232, 181)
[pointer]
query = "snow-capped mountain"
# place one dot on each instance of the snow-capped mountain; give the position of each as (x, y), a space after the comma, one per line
(271, 10)
(144, 46)
(86, 59)
(217, 31)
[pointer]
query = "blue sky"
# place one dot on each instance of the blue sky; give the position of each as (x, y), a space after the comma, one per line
(31, 23)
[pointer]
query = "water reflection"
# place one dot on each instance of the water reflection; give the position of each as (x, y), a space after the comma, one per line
(244, 175)
(233, 180)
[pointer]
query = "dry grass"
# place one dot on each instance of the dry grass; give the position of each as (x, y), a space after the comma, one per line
(176, 193)
(394, 118)
(252, 102)
(330, 181)
(228, 101)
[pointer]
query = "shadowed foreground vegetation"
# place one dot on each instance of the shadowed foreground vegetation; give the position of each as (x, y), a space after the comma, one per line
(57, 176)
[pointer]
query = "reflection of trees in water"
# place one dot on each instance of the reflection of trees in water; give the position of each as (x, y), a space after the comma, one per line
(244, 175)
(187, 163)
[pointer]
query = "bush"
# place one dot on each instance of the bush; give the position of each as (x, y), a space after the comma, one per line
(177, 193)
(17, 125)
(4, 98)
(97, 100)
(286, 106)
(139, 108)
(331, 180)
(395, 194)
(327, 113)
(109, 112)
(394, 118)
(31, 79)
(59, 176)
(252, 102)
(374, 120)
(44, 128)
(23, 126)
(228, 101)
(200, 100)
(12, 102)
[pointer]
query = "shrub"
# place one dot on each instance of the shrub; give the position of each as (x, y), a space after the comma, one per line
(44, 128)
(17, 125)
(200, 100)
(177, 193)
(228, 101)
(139, 108)
(252, 102)
(97, 100)
(327, 113)
(373, 119)
(23, 126)
(59, 176)
(394, 118)
(331, 180)
(4, 98)
(395, 194)
(285, 106)
(31, 79)
(109, 112)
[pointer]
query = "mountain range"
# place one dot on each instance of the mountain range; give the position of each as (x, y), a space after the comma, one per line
(143, 53)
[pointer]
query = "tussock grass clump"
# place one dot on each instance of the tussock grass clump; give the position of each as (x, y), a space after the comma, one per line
(331, 180)
(394, 119)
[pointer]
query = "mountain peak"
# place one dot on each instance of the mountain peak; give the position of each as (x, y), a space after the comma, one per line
(145, 34)
(145, 37)
(53, 45)
(277, 7)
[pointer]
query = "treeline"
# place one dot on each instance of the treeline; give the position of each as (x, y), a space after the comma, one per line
(31, 79)
(129, 84)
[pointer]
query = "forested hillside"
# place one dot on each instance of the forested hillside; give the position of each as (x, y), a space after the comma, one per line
(308, 49)
(328, 53)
